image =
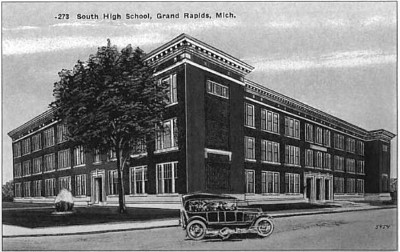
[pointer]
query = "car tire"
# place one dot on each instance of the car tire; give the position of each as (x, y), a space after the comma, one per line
(264, 226)
(196, 230)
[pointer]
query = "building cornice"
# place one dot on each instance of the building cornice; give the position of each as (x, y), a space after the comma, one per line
(37, 122)
(380, 134)
(202, 49)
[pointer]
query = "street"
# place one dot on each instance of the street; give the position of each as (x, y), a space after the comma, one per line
(360, 230)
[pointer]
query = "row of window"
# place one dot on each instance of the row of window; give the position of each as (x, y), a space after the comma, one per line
(352, 185)
(166, 174)
(40, 141)
(270, 153)
(270, 183)
(313, 134)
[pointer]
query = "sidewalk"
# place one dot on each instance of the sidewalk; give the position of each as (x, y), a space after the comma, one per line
(17, 231)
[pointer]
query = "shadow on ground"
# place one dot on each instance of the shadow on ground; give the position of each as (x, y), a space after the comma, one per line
(36, 218)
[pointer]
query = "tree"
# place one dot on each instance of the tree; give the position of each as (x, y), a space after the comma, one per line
(110, 102)
(8, 191)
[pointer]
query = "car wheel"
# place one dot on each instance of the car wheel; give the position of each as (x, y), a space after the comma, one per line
(264, 227)
(196, 230)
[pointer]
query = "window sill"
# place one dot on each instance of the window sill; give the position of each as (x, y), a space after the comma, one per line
(250, 160)
(38, 173)
(24, 176)
(44, 147)
(251, 127)
(271, 194)
(172, 104)
(80, 196)
(166, 150)
(250, 194)
(338, 171)
(112, 160)
(62, 169)
(292, 165)
(292, 137)
(309, 167)
(270, 132)
(49, 171)
(138, 195)
(97, 163)
(293, 193)
(309, 141)
(113, 196)
(271, 163)
(139, 155)
(81, 165)
(351, 172)
(36, 150)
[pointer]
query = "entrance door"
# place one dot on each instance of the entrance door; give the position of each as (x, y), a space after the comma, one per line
(97, 191)
(308, 188)
(318, 189)
(327, 192)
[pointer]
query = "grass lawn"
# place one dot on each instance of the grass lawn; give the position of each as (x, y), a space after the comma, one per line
(34, 218)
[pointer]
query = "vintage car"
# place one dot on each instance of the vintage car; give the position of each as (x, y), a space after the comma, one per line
(219, 215)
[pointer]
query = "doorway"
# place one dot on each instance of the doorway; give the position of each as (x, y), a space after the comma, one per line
(308, 188)
(318, 189)
(98, 192)
(327, 192)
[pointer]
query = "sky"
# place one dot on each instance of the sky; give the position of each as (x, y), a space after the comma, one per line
(339, 57)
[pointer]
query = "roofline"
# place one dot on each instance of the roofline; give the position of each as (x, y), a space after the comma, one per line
(37, 120)
(185, 37)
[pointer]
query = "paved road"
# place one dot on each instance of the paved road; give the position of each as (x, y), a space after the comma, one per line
(365, 230)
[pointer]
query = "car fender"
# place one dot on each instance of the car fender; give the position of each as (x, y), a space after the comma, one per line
(261, 216)
(197, 218)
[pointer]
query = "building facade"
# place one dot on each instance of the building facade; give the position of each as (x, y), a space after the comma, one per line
(222, 133)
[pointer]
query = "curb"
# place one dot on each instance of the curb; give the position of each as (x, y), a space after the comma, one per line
(275, 216)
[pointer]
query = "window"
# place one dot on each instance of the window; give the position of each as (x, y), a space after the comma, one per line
(36, 142)
(26, 168)
(27, 189)
(270, 182)
(292, 127)
(172, 88)
(64, 159)
(113, 182)
(360, 148)
(350, 145)
(269, 121)
(269, 151)
(64, 183)
(50, 187)
(167, 138)
(339, 141)
(318, 135)
(26, 146)
(17, 149)
(350, 165)
(360, 166)
(112, 155)
(351, 185)
(339, 185)
(249, 148)
(309, 132)
(327, 161)
(17, 170)
(338, 163)
(217, 89)
(327, 137)
(37, 188)
(80, 185)
(48, 137)
(249, 181)
(309, 158)
(166, 177)
(384, 148)
(318, 159)
(249, 115)
(360, 185)
(49, 162)
(37, 165)
(18, 191)
(96, 156)
(61, 133)
(138, 180)
(292, 155)
(139, 146)
(79, 156)
(292, 183)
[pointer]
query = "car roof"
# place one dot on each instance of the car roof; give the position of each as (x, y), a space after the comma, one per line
(197, 196)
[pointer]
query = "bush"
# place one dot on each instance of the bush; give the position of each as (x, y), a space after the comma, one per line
(64, 201)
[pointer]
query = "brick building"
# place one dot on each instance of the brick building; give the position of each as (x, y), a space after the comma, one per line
(223, 133)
